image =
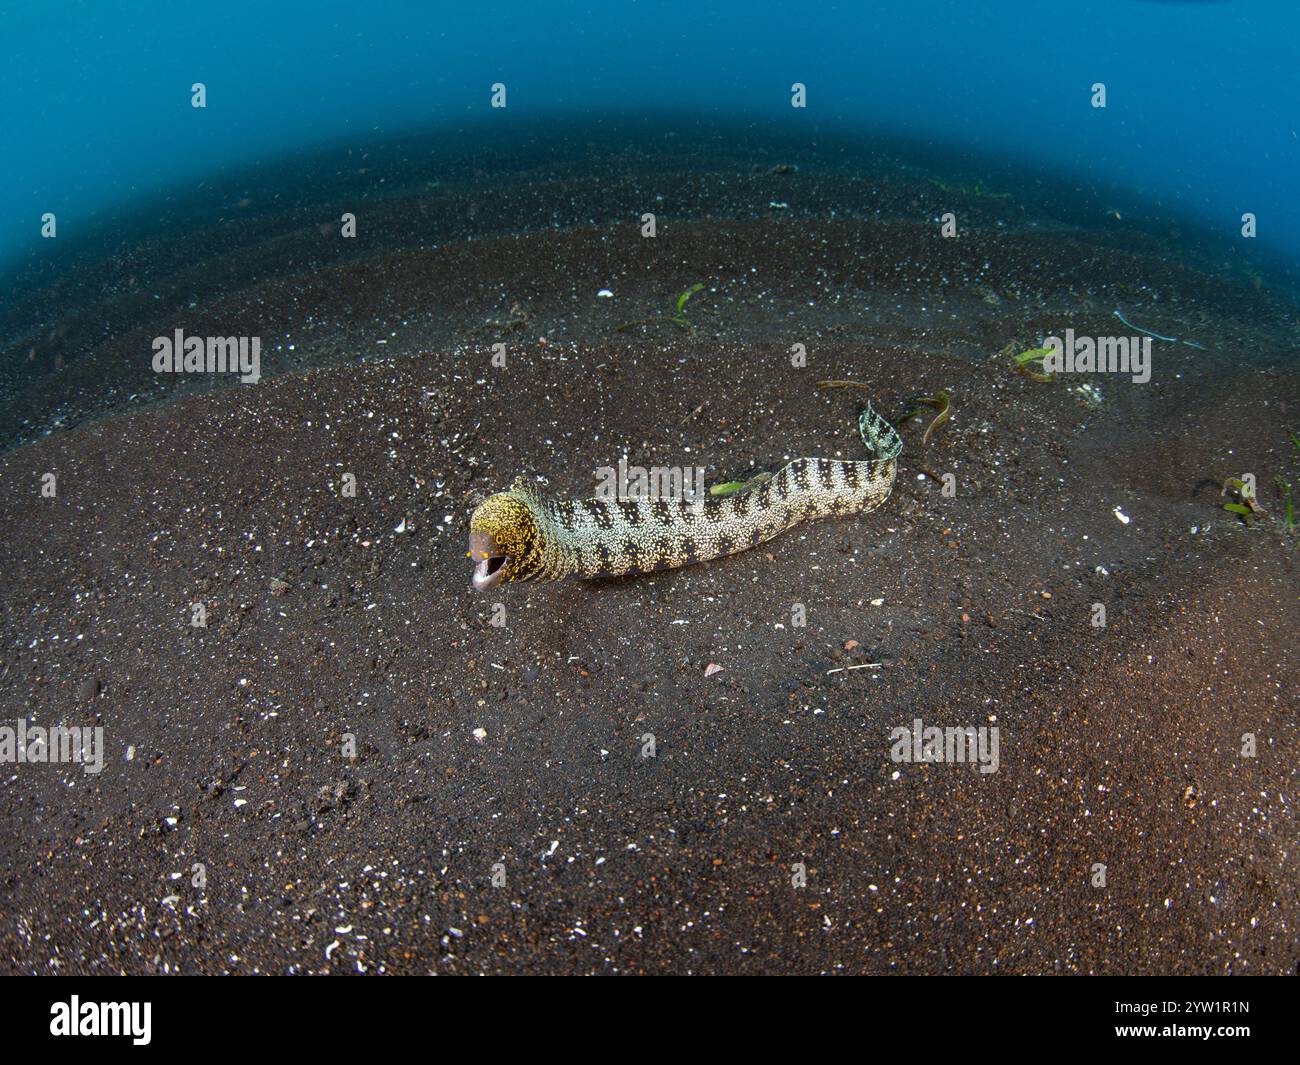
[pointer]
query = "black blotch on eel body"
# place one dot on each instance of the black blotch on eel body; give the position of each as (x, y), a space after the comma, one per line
(600, 513)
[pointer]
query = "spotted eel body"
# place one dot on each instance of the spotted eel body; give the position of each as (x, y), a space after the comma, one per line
(521, 536)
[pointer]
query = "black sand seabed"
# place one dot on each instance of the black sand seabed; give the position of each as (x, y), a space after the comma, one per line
(522, 745)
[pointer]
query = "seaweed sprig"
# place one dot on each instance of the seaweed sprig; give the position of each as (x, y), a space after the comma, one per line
(977, 190)
(941, 402)
(678, 317)
(1284, 490)
(1024, 363)
(1241, 498)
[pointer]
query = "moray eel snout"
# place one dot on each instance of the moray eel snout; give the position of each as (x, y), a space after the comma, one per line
(489, 560)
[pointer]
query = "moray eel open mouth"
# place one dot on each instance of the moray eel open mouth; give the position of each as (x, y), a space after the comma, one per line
(489, 560)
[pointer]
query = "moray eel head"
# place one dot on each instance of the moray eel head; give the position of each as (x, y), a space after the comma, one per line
(502, 539)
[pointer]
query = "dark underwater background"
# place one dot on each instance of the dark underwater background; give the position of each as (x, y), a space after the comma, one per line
(1200, 119)
(137, 500)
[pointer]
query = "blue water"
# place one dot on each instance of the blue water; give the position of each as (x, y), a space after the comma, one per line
(1201, 115)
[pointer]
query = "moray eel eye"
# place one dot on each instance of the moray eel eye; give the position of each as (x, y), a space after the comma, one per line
(489, 560)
